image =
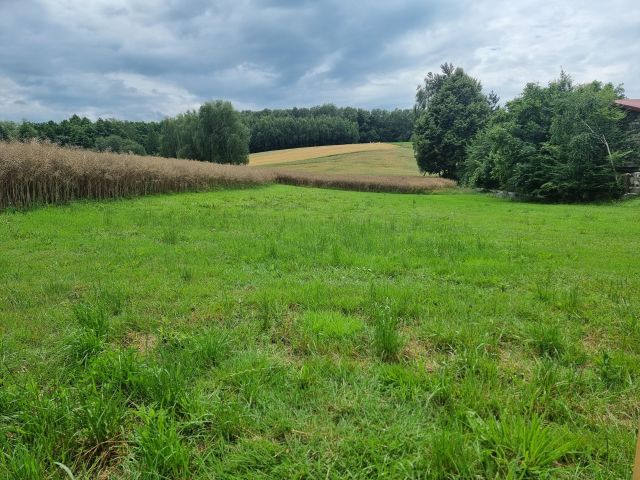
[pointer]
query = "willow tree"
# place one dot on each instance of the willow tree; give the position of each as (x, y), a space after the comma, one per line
(220, 135)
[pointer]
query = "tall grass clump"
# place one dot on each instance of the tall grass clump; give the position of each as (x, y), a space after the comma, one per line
(159, 450)
(514, 447)
(41, 173)
(387, 341)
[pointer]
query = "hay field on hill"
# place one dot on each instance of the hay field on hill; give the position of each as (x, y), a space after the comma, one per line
(374, 159)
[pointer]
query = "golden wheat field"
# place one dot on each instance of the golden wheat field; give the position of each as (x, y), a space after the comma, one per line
(277, 157)
(397, 161)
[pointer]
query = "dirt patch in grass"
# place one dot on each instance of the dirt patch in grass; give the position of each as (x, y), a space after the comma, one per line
(140, 341)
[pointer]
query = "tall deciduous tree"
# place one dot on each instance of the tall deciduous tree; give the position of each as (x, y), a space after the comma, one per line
(450, 109)
(561, 143)
(220, 135)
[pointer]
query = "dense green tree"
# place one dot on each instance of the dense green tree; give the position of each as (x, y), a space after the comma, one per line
(152, 142)
(117, 144)
(450, 109)
(27, 131)
(4, 132)
(220, 135)
(8, 130)
(561, 142)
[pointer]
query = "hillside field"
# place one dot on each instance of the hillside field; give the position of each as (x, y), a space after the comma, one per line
(384, 159)
(289, 332)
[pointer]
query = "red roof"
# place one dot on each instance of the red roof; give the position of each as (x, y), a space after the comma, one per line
(630, 104)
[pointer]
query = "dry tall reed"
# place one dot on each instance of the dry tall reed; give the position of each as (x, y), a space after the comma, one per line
(365, 183)
(42, 173)
(34, 173)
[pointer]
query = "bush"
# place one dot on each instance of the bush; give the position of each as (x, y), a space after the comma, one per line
(559, 143)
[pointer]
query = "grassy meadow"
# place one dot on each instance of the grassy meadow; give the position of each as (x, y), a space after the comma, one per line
(287, 332)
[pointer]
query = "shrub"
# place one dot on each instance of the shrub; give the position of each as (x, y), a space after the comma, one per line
(559, 143)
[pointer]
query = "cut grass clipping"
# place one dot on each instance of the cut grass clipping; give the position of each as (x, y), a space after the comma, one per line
(287, 332)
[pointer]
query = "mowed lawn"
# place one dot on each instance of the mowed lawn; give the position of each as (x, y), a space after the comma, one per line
(284, 332)
(359, 159)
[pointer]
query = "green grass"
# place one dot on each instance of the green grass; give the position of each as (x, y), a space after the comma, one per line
(284, 332)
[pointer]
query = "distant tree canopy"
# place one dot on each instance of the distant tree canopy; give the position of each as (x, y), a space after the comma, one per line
(560, 143)
(219, 134)
(450, 109)
(325, 125)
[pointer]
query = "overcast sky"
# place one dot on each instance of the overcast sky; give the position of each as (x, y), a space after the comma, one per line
(146, 59)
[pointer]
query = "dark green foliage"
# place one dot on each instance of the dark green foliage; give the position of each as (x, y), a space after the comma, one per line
(274, 132)
(325, 125)
(214, 134)
(117, 144)
(27, 132)
(450, 109)
(8, 130)
(220, 135)
(559, 143)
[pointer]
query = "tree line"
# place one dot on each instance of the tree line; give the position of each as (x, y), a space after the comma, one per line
(216, 132)
(560, 142)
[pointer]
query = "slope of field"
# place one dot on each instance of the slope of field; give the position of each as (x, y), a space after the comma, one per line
(366, 159)
(284, 332)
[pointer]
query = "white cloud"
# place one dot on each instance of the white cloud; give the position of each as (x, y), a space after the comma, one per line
(148, 58)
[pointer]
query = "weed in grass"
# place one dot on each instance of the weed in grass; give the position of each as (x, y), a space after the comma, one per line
(186, 274)
(452, 455)
(545, 290)
(572, 299)
(88, 340)
(269, 310)
(92, 317)
(548, 341)
(213, 417)
(404, 382)
(169, 236)
(387, 341)
(205, 349)
(158, 448)
(19, 463)
(612, 371)
(101, 416)
(516, 448)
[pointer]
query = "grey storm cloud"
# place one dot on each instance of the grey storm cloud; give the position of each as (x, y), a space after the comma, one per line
(146, 59)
